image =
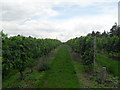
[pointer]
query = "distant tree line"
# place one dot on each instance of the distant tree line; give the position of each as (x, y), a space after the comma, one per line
(114, 31)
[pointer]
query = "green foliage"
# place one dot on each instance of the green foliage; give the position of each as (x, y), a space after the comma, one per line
(109, 44)
(2, 35)
(112, 66)
(44, 67)
(19, 51)
(84, 47)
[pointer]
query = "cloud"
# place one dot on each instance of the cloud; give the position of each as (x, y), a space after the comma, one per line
(21, 11)
(64, 29)
(35, 18)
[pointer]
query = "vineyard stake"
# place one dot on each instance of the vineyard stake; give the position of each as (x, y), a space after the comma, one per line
(103, 74)
(94, 52)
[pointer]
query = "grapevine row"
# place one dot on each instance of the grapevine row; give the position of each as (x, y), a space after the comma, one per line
(19, 52)
(85, 48)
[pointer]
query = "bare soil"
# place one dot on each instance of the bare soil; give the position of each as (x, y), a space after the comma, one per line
(74, 55)
(117, 58)
(44, 59)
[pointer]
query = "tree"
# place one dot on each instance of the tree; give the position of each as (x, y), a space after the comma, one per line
(3, 35)
(104, 34)
(113, 30)
(93, 33)
(97, 34)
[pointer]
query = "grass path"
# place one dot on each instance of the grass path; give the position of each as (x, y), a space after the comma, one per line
(62, 73)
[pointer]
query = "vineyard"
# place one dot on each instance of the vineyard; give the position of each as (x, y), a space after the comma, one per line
(84, 46)
(19, 51)
(87, 61)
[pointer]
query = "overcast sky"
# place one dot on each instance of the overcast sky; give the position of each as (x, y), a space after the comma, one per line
(61, 19)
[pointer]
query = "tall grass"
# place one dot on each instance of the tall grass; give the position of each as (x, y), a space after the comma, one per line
(111, 65)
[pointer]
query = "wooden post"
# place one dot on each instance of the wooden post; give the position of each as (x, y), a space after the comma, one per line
(94, 52)
(0, 61)
(103, 74)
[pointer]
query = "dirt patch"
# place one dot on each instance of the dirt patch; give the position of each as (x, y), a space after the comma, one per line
(117, 58)
(74, 55)
(44, 59)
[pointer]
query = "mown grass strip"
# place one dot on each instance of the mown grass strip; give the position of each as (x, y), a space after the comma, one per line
(62, 73)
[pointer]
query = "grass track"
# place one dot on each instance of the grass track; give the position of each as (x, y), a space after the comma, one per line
(62, 73)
